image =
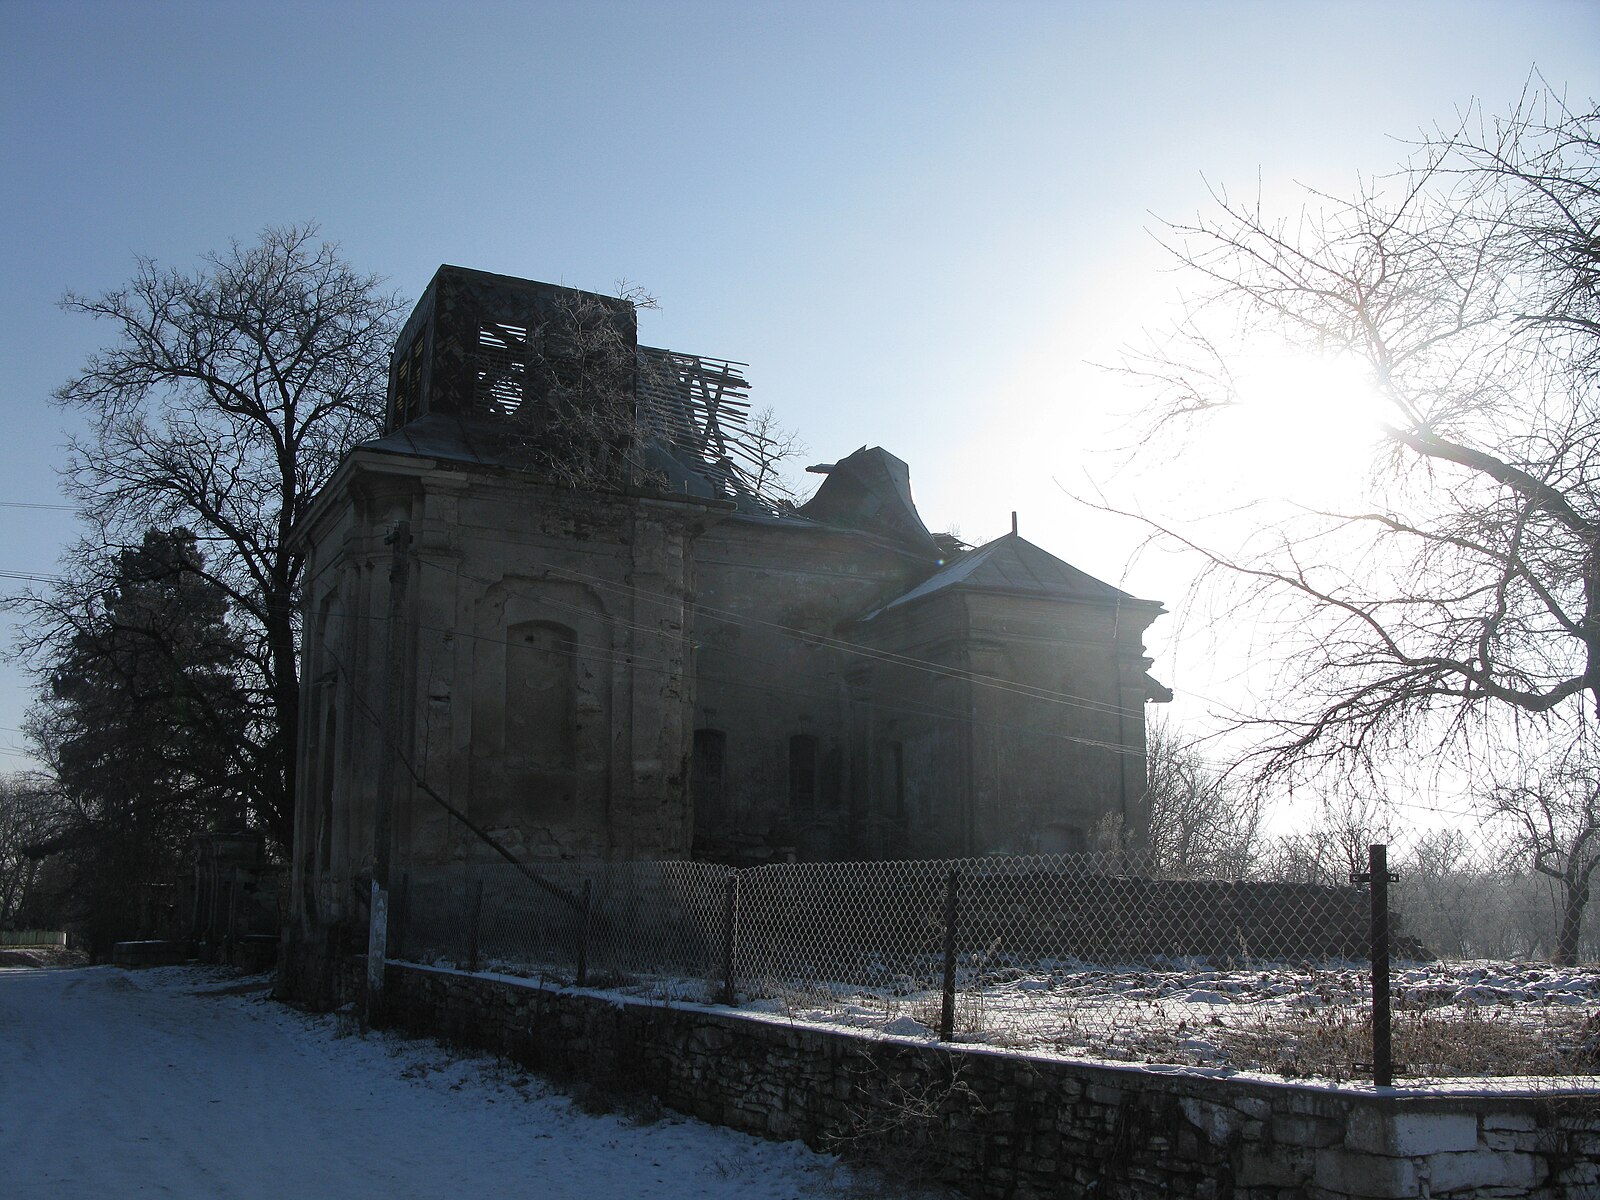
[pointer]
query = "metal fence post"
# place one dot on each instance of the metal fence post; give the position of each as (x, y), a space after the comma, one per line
(583, 932)
(730, 910)
(947, 1010)
(1378, 878)
(477, 915)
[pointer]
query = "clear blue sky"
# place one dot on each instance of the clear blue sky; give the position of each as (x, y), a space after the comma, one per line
(915, 221)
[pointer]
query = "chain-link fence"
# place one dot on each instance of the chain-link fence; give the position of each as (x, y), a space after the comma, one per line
(1050, 953)
(654, 924)
(1497, 969)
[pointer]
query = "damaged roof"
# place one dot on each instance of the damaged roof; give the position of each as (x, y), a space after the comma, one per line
(870, 491)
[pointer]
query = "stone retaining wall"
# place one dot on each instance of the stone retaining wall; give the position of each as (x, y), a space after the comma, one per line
(1004, 1124)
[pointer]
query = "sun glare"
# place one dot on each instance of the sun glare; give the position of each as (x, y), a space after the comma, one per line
(1303, 427)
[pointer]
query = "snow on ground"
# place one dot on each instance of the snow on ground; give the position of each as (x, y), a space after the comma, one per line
(1453, 1018)
(188, 1082)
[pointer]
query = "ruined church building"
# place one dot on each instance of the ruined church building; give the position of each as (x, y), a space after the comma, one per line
(557, 596)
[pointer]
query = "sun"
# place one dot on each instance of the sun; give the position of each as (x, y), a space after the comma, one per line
(1303, 427)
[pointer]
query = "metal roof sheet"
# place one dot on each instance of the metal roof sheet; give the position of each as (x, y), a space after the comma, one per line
(1012, 565)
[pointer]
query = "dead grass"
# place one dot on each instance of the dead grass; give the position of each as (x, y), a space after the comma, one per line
(1336, 1043)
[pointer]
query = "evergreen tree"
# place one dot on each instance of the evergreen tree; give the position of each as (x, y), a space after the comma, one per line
(144, 720)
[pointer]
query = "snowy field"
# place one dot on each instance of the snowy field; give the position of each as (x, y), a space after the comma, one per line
(188, 1082)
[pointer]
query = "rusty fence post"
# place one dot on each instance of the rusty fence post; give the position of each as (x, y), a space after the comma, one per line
(1378, 879)
(947, 1010)
(474, 928)
(585, 902)
(730, 912)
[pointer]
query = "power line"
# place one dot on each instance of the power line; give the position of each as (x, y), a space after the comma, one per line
(925, 709)
(889, 658)
(609, 656)
(30, 576)
(25, 504)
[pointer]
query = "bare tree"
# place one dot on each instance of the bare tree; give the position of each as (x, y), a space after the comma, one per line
(1203, 823)
(227, 399)
(1335, 844)
(1465, 589)
(1555, 813)
(574, 414)
(772, 444)
(1448, 897)
(27, 817)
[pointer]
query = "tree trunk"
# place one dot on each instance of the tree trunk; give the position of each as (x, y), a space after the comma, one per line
(280, 788)
(1576, 897)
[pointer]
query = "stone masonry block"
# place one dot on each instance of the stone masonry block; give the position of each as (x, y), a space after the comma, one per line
(1306, 1131)
(1409, 1135)
(1216, 1121)
(1253, 1107)
(1519, 1122)
(1373, 1176)
(1481, 1169)
(1272, 1167)
(1497, 1139)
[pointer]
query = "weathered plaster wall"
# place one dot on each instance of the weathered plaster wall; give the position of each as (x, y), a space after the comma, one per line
(1062, 747)
(1035, 736)
(544, 682)
(558, 651)
(1008, 1125)
(770, 598)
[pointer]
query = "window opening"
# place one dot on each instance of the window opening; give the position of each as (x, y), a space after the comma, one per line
(502, 366)
(408, 384)
(892, 779)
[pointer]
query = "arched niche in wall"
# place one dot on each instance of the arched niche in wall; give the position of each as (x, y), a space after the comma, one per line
(543, 661)
(540, 702)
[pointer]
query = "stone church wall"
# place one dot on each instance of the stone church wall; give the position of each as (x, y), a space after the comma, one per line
(772, 606)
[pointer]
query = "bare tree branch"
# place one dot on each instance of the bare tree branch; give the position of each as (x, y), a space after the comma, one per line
(1466, 588)
(226, 400)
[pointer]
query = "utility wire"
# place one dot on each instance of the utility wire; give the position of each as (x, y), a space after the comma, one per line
(762, 669)
(812, 639)
(847, 647)
(605, 655)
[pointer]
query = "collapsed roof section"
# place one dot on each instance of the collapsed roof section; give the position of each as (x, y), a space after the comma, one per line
(514, 373)
(870, 491)
(696, 413)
